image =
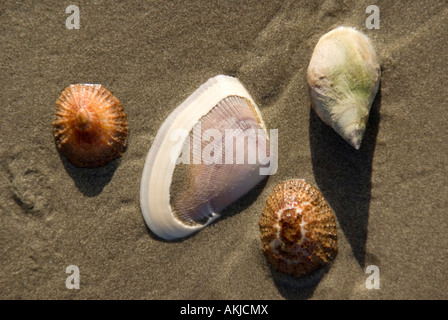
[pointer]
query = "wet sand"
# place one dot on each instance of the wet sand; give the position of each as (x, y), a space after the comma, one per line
(390, 198)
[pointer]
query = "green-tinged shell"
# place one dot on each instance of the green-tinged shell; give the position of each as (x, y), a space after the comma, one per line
(344, 76)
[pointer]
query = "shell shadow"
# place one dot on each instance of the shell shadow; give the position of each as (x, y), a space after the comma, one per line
(293, 288)
(90, 181)
(245, 201)
(343, 175)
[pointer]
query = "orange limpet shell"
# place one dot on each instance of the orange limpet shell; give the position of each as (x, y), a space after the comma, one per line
(90, 126)
(298, 229)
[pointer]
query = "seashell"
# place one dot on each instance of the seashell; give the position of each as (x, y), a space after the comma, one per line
(182, 189)
(344, 76)
(90, 126)
(298, 229)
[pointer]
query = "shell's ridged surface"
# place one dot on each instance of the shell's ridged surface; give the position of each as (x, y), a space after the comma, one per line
(179, 197)
(298, 229)
(90, 126)
(344, 75)
(202, 188)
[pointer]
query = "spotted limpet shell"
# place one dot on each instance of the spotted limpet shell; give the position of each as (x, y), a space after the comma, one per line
(298, 229)
(90, 127)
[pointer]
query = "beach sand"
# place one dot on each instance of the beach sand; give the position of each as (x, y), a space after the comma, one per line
(390, 198)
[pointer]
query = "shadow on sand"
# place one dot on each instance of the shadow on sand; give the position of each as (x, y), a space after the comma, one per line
(90, 181)
(343, 175)
(293, 288)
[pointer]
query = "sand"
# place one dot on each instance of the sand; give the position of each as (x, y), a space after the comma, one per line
(390, 198)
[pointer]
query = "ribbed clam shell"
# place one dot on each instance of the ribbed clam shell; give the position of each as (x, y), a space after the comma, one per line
(344, 76)
(90, 126)
(179, 199)
(298, 229)
(209, 188)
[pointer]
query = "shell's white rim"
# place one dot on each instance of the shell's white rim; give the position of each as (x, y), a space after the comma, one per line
(158, 169)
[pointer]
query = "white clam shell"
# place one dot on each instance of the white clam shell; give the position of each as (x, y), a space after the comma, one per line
(344, 76)
(209, 188)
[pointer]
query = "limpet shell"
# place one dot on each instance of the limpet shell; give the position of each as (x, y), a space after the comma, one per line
(90, 127)
(180, 198)
(344, 76)
(298, 229)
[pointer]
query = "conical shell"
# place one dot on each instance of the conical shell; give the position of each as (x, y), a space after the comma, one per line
(90, 126)
(344, 76)
(298, 229)
(193, 170)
